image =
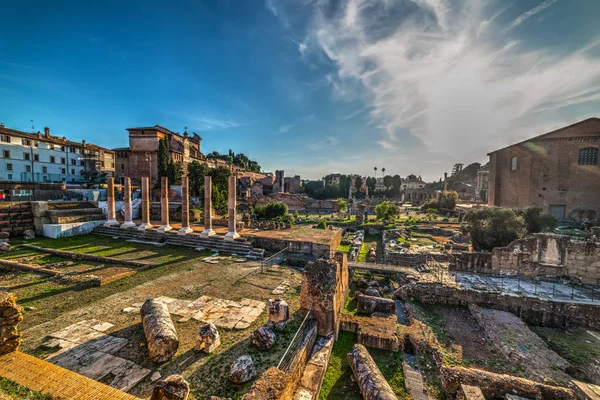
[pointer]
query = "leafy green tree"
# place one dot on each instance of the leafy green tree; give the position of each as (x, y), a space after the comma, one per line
(175, 172)
(536, 220)
(219, 200)
(371, 182)
(296, 215)
(358, 182)
(272, 210)
(388, 181)
(491, 227)
(311, 187)
(196, 173)
(396, 182)
(322, 224)
(342, 207)
(163, 158)
(386, 210)
(446, 200)
(220, 177)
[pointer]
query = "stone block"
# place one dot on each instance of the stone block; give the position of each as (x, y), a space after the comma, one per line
(208, 338)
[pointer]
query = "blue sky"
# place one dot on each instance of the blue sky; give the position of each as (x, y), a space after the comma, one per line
(310, 86)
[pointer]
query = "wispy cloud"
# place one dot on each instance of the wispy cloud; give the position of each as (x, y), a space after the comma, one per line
(526, 15)
(445, 72)
(284, 129)
(329, 140)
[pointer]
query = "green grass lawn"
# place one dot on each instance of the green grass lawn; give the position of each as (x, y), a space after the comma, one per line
(345, 248)
(10, 390)
(370, 241)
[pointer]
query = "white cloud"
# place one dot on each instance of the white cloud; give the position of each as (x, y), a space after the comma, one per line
(284, 129)
(446, 73)
(525, 16)
(329, 140)
(209, 124)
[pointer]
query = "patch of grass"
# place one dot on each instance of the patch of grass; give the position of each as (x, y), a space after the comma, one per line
(15, 391)
(345, 248)
(390, 365)
(574, 346)
(337, 383)
(351, 306)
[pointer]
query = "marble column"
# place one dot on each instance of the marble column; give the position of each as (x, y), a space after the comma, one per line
(185, 207)
(145, 204)
(127, 207)
(110, 204)
(164, 205)
(232, 234)
(207, 232)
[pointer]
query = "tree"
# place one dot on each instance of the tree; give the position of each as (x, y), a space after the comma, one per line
(219, 200)
(311, 187)
(175, 172)
(220, 177)
(342, 206)
(163, 158)
(387, 181)
(536, 220)
(93, 178)
(345, 183)
(371, 182)
(272, 210)
(386, 210)
(432, 214)
(491, 227)
(396, 182)
(322, 224)
(358, 182)
(196, 173)
(446, 200)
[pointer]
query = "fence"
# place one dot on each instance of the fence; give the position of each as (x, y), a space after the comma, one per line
(288, 359)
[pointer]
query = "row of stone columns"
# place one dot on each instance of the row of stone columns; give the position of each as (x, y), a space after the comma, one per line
(164, 198)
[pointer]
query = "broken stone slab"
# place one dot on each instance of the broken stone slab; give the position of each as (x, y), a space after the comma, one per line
(361, 283)
(159, 330)
(371, 381)
(263, 338)
(373, 291)
(173, 387)
(242, 370)
(208, 338)
(370, 305)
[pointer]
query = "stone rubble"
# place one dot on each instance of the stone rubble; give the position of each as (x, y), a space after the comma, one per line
(173, 387)
(208, 338)
(263, 338)
(242, 370)
(159, 330)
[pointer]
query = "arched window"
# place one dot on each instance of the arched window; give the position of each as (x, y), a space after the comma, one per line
(588, 156)
(513, 164)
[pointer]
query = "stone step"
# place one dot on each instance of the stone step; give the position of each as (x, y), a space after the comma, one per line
(77, 218)
(78, 211)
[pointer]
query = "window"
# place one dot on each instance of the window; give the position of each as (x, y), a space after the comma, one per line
(26, 142)
(63, 160)
(44, 170)
(10, 177)
(52, 159)
(6, 139)
(36, 157)
(82, 163)
(62, 148)
(588, 156)
(9, 167)
(72, 172)
(28, 168)
(63, 171)
(73, 162)
(6, 153)
(81, 172)
(513, 164)
(36, 144)
(26, 156)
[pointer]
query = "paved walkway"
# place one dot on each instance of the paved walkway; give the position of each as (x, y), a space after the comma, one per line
(551, 291)
(381, 267)
(60, 383)
(413, 378)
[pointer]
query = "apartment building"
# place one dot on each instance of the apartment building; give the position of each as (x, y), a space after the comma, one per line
(37, 157)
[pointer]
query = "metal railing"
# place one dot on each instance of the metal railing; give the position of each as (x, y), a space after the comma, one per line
(297, 342)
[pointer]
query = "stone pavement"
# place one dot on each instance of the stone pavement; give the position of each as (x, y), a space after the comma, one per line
(84, 348)
(413, 378)
(551, 291)
(223, 313)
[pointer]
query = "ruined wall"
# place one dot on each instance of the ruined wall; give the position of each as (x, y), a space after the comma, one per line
(325, 288)
(273, 384)
(531, 310)
(10, 316)
(15, 218)
(472, 262)
(412, 259)
(376, 332)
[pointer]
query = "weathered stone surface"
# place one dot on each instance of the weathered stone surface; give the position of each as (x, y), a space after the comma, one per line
(361, 283)
(10, 316)
(263, 338)
(278, 311)
(376, 332)
(208, 338)
(373, 291)
(273, 384)
(371, 304)
(173, 387)
(373, 284)
(4, 246)
(29, 234)
(371, 382)
(161, 336)
(4, 235)
(242, 370)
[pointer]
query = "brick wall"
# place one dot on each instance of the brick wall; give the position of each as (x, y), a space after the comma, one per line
(548, 172)
(15, 218)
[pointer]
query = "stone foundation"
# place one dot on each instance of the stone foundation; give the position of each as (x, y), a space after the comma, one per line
(273, 384)
(376, 332)
(371, 304)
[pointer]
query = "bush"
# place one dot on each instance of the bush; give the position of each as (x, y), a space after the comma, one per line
(491, 227)
(446, 200)
(386, 210)
(536, 220)
(322, 224)
(271, 210)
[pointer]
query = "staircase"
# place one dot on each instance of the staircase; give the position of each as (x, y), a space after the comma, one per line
(215, 243)
(80, 214)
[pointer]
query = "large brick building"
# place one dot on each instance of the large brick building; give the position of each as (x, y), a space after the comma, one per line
(558, 171)
(141, 157)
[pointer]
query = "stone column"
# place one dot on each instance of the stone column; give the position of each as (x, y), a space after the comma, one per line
(164, 205)
(145, 204)
(207, 232)
(185, 207)
(232, 233)
(110, 204)
(127, 208)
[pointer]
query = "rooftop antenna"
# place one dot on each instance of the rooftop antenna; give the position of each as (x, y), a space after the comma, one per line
(32, 128)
